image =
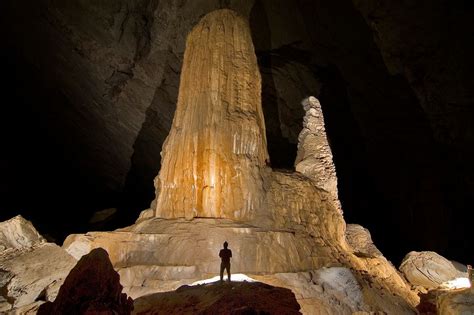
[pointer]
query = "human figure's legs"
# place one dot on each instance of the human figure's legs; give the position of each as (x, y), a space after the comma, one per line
(228, 272)
(222, 270)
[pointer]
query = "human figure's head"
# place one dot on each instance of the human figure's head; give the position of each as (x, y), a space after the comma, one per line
(226, 244)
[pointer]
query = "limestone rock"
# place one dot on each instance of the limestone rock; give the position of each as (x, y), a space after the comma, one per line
(314, 158)
(361, 242)
(172, 250)
(30, 268)
(32, 274)
(91, 287)
(428, 269)
(458, 302)
(217, 145)
(235, 298)
(18, 233)
(338, 290)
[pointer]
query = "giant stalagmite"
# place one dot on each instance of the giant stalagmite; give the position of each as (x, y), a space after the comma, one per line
(212, 157)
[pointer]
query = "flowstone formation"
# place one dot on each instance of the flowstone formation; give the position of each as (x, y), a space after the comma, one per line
(214, 186)
(216, 147)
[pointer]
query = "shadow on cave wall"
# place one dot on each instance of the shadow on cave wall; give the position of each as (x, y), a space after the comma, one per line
(146, 159)
(281, 151)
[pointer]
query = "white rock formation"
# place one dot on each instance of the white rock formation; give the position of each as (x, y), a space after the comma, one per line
(428, 269)
(314, 157)
(361, 242)
(30, 268)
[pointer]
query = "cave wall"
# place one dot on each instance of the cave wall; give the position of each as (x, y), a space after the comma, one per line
(95, 86)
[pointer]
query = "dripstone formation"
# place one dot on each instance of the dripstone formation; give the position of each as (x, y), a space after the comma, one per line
(314, 157)
(212, 158)
(284, 228)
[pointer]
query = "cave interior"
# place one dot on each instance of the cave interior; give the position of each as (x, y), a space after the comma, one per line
(82, 128)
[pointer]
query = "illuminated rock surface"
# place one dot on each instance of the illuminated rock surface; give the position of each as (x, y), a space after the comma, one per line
(361, 242)
(212, 157)
(30, 268)
(428, 269)
(314, 158)
(18, 233)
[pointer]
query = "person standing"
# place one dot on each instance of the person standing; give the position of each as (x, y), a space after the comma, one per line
(225, 254)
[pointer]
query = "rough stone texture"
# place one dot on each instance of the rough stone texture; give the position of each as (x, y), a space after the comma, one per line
(361, 242)
(161, 255)
(30, 268)
(339, 290)
(457, 302)
(31, 274)
(217, 144)
(236, 298)
(182, 249)
(92, 287)
(428, 269)
(18, 233)
(314, 158)
(328, 290)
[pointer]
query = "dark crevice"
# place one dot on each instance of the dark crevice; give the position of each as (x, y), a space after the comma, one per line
(281, 150)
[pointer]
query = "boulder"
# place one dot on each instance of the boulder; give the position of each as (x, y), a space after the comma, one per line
(30, 268)
(92, 287)
(361, 242)
(428, 269)
(18, 233)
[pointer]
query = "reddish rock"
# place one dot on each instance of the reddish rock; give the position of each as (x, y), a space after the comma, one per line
(92, 287)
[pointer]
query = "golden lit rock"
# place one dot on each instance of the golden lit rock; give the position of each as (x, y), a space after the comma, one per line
(212, 157)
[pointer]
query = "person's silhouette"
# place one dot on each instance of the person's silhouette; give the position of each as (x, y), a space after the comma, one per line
(225, 255)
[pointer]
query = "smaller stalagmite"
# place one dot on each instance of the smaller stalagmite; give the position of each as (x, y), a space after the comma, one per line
(216, 148)
(314, 158)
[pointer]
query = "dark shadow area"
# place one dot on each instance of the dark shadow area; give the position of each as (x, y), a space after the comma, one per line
(146, 160)
(42, 174)
(355, 185)
(216, 298)
(282, 152)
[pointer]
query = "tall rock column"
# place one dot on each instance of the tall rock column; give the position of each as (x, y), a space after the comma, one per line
(216, 149)
(314, 157)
